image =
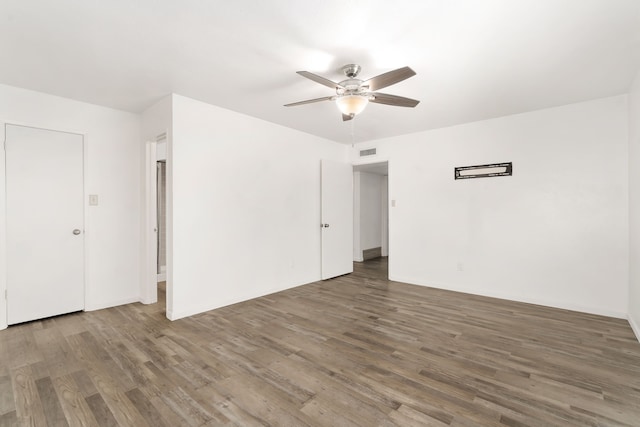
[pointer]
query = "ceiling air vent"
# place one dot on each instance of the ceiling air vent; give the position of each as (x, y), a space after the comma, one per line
(369, 152)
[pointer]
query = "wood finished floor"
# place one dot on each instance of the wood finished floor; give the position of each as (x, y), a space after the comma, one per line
(356, 350)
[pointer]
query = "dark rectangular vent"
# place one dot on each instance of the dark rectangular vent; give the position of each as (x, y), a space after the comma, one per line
(369, 152)
(483, 171)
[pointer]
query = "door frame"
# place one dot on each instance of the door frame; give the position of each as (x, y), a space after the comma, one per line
(361, 162)
(3, 213)
(149, 280)
(149, 288)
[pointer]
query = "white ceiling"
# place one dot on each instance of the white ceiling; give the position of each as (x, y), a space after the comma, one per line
(474, 59)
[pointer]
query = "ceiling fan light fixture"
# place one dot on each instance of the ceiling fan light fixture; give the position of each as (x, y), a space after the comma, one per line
(352, 104)
(353, 94)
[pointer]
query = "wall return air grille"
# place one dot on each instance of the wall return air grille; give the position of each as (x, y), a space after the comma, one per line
(369, 152)
(484, 171)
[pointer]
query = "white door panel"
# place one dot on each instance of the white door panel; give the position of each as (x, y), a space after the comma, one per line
(337, 219)
(45, 259)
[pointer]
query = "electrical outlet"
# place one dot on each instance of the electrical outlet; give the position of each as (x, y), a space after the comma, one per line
(93, 200)
(460, 266)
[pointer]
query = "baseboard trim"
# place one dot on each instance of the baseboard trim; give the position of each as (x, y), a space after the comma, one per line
(563, 306)
(634, 326)
(150, 301)
(372, 253)
(94, 307)
(192, 311)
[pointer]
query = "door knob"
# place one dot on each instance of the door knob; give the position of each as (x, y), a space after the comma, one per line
(326, 225)
(76, 231)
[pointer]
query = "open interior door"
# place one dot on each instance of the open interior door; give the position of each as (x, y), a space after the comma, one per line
(337, 218)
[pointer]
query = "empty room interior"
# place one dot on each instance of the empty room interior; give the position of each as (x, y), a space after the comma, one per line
(337, 213)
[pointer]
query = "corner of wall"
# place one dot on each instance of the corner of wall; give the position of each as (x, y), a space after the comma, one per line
(635, 326)
(633, 105)
(357, 249)
(3, 252)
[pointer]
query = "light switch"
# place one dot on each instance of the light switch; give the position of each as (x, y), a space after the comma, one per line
(393, 203)
(93, 200)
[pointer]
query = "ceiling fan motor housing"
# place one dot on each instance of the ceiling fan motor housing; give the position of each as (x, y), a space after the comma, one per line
(351, 70)
(351, 87)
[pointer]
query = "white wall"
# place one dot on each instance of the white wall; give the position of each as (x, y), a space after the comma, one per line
(554, 233)
(156, 120)
(246, 206)
(357, 246)
(161, 153)
(385, 216)
(113, 173)
(634, 206)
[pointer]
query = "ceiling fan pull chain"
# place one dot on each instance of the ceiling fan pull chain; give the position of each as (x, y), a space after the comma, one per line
(353, 132)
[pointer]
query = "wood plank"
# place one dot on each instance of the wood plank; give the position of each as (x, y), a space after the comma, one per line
(7, 402)
(10, 419)
(108, 380)
(50, 403)
(101, 411)
(73, 404)
(145, 407)
(84, 383)
(29, 409)
(264, 401)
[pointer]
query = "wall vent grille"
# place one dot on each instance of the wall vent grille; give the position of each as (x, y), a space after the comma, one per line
(369, 152)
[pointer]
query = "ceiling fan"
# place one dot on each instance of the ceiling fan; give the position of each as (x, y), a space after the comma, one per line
(353, 95)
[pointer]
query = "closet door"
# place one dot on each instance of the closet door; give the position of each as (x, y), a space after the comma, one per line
(45, 223)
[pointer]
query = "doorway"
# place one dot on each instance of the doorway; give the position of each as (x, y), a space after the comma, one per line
(45, 223)
(161, 230)
(154, 288)
(161, 219)
(371, 212)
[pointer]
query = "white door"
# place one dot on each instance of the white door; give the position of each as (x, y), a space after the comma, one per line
(45, 223)
(337, 219)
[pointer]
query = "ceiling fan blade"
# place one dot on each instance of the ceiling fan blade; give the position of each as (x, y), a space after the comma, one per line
(318, 79)
(389, 78)
(309, 101)
(346, 117)
(398, 101)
